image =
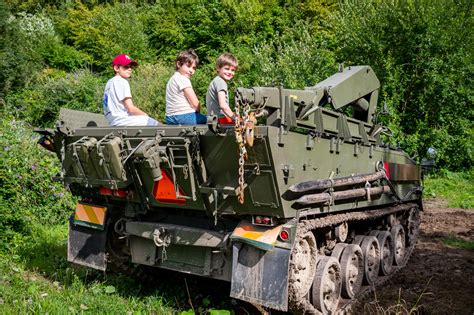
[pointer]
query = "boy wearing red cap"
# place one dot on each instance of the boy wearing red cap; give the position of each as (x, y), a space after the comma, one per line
(119, 109)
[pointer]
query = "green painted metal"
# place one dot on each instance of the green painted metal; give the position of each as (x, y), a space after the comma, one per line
(324, 132)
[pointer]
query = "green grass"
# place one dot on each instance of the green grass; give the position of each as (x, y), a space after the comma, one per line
(458, 242)
(456, 188)
(36, 278)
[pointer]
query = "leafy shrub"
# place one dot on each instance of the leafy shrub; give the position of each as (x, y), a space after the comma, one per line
(148, 85)
(39, 104)
(27, 192)
(213, 27)
(457, 188)
(106, 31)
(295, 58)
(422, 53)
(30, 43)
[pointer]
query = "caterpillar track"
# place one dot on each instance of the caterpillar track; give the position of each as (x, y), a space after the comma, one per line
(409, 213)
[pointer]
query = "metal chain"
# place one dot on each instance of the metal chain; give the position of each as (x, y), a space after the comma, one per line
(239, 137)
(162, 238)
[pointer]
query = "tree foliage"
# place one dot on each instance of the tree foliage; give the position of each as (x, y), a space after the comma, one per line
(56, 54)
(422, 52)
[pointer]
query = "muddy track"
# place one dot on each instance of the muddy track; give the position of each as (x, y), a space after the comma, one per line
(345, 305)
(438, 278)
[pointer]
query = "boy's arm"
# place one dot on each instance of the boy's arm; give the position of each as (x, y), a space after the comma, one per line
(222, 98)
(132, 109)
(192, 98)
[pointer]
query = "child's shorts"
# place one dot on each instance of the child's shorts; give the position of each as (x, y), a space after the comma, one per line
(186, 119)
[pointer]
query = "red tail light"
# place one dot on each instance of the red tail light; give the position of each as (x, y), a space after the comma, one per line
(387, 170)
(104, 191)
(121, 193)
(284, 235)
(261, 220)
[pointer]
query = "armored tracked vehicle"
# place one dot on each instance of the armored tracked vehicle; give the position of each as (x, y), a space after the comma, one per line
(300, 205)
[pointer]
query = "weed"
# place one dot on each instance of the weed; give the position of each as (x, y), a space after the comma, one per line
(458, 242)
(457, 188)
(399, 307)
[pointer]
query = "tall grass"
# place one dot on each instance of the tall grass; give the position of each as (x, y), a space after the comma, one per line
(456, 188)
(36, 278)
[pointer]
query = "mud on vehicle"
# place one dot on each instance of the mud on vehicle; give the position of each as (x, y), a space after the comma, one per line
(300, 205)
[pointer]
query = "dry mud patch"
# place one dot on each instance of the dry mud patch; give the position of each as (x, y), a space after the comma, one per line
(438, 279)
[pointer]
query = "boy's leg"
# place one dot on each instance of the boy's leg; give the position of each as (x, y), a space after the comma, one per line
(139, 120)
(201, 119)
(186, 119)
(172, 120)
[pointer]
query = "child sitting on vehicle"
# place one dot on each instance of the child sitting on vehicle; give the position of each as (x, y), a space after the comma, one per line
(217, 96)
(119, 109)
(182, 104)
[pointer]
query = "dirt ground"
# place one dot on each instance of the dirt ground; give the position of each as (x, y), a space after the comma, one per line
(438, 279)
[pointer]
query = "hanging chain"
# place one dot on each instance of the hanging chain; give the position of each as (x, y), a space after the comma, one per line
(244, 134)
(162, 238)
(239, 132)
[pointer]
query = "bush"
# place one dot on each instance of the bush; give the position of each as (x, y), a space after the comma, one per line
(106, 31)
(39, 104)
(422, 53)
(30, 44)
(148, 85)
(27, 192)
(296, 58)
(457, 188)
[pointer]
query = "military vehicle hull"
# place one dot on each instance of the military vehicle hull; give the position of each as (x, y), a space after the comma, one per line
(302, 212)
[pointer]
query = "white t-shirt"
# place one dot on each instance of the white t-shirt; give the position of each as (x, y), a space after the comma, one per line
(116, 90)
(176, 101)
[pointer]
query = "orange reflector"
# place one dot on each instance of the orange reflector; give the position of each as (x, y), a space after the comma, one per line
(163, 190)
(89, 215)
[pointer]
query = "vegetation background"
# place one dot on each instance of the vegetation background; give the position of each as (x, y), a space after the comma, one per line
(57, 54)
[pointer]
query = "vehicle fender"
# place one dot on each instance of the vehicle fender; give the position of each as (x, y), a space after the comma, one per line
(260, 276)
(86, 246)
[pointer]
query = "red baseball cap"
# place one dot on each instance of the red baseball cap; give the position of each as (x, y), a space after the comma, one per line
(124, 60)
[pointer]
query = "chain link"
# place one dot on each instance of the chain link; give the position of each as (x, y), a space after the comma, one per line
(239, 137)
(244, 135)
